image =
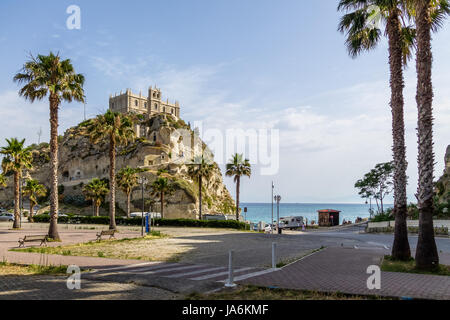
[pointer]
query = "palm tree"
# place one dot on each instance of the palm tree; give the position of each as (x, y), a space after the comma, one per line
(127, 179)
(363, 35)
(238, 167)
(199, 168)
(161, 187)
(96, 190)
(430, 15)
(118, 129)
(50, 75)
(33, 190)
(3, 180)
(16, 159)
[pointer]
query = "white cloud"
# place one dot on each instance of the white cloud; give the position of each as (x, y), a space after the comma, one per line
(23, 119)
(325, 145)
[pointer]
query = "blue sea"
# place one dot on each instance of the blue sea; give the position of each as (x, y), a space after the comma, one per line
(257, 212)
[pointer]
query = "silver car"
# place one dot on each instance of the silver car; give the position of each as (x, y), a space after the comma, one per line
(6, 216)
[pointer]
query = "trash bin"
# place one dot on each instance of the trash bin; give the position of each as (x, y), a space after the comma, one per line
(147, 227)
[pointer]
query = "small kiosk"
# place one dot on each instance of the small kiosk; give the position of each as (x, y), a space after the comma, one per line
(328, 217)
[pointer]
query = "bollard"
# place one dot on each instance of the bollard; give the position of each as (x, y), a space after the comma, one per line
(230, 283)
(274, 259)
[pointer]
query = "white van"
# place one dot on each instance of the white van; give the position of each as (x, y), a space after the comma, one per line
(295, 222)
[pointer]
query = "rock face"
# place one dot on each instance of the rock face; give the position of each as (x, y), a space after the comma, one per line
(163, 147)
(443, 184)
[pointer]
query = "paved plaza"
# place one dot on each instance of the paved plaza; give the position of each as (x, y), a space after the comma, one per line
(340, 267)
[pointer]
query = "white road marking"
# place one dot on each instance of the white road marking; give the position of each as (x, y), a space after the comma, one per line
(219, 274)
(195, 272)
(251, 275)
(127, 266)
(172, 269)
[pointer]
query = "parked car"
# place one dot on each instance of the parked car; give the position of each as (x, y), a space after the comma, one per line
(268, 228)
(59, 214)
(153, 215)
(6, 216)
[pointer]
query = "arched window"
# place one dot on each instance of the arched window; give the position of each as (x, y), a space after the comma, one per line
(164, 109)
(156, 107)
(171, 111)
(135, 103)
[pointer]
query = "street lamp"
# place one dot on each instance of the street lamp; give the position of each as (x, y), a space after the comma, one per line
(271, 221)
(277, 198)
(143, 181)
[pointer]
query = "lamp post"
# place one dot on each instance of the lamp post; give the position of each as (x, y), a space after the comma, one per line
(143, 181)
(277, 198)
(271, 221)
(21, 185)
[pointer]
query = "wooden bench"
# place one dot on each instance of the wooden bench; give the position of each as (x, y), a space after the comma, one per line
(109, 233)
(42, 238)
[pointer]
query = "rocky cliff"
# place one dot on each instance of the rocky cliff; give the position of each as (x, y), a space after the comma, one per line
(163, 147)
(443, 184)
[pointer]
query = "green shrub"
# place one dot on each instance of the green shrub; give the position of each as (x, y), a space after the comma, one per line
(136, 221)
(387, 216)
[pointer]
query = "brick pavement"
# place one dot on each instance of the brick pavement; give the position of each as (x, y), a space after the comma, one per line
(337, 269)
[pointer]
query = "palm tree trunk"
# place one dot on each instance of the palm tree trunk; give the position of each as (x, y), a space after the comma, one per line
(16, 224)
(200, 196)
(238, 183)
(128, 204)
(427, 257)
(112, 183)
(162, 205)
(400, 248)
(97, 209)
(53, 228)
(30, 217)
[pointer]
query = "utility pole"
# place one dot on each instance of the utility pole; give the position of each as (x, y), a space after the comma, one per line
(143, 181)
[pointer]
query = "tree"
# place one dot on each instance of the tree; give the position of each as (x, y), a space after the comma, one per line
(430, 15)
(238, 167)
(199, 168)
(362, 24)
(377, 183)
(161, 187)
(49, 75)
(33, 190)
(118, 129)
(16, 159)
(127, 179)
(3, 180)
(96, 190)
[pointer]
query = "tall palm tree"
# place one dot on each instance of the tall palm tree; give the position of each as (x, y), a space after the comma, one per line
(127, 179)
(33, 190)
(199, 168)
(429, 16)
(362, 26)
(161, 187)
(49, 75)
(238, 167)
(3, 180)
(96, 190)
(16, 159)
(118, 129)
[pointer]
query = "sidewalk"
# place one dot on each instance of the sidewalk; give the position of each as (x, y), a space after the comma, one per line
(343, 270)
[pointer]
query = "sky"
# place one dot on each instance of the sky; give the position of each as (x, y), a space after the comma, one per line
(279, 66)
